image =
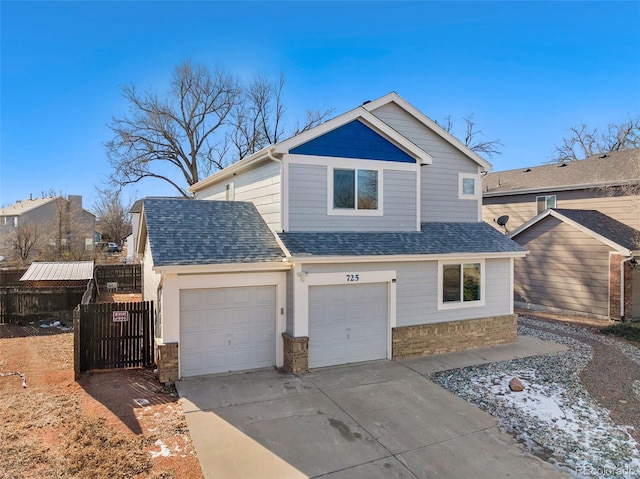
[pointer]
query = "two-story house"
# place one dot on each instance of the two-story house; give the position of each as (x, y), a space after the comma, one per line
(580, 222)
(53, 223)
(357, 240)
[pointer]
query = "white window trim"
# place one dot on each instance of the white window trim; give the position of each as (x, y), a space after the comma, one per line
(476, 188)
(347, 211)
(462, 304)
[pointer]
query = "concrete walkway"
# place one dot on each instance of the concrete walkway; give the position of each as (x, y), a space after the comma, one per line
(380, 419)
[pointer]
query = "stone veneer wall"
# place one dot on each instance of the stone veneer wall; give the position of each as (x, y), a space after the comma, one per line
(167, 362)
(296, 354)
(451, 336)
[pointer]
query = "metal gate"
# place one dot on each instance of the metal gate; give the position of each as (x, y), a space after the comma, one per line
(115, 335)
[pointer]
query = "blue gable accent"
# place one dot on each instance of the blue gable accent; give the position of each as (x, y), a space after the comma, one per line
(353, 140)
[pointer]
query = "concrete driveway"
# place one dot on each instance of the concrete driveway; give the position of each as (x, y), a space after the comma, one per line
(380, 419)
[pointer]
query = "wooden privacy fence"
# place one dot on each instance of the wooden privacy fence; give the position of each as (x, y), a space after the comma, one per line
(18, 304)
(128, 276)
(113, 335)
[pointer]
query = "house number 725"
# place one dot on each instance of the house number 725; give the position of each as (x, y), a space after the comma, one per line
(352, 278)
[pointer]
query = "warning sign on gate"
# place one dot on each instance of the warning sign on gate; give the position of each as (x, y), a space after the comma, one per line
(120, 316)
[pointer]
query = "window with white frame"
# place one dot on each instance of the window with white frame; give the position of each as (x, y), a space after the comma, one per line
(230, 191)
(88, 244)
(467, 186)
(544, 203)
(461, 284)
(355, 189)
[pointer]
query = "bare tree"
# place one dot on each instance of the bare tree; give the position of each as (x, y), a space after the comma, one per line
(67, 232)
(27, 241)
(113, 215)
(205, 122)
(583, 142)
(470, 137)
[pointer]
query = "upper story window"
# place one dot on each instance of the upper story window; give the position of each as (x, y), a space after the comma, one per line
(460, 285)
(544, 203)
(230, 191)
(10, 220)
(355, 189)
(468, 186)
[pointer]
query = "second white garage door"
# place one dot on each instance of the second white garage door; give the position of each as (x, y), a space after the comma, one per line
(227, 329)
(347, 323)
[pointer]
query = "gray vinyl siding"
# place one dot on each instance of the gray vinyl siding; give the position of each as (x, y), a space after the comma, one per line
(308, 202)
(521, 208)
(565, 269)
(289, 315)
(439, 181)
(259, 185)
(417, 290)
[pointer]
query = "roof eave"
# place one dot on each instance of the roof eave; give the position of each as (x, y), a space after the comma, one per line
(231, 170)
(223, 267)
(403, 257)
(547, 189)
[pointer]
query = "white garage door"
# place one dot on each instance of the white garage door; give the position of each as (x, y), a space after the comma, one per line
(227, 329)
(347, 324)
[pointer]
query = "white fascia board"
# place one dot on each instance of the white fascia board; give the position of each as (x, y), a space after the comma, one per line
(231, 169)
(612, 244)
(224, 268)
(368, 119)
(403, 257)
(429, 123)
(141, 234)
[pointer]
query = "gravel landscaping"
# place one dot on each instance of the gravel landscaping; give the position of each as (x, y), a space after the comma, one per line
(570, 411)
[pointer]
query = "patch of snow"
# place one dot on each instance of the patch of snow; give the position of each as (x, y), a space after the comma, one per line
(164, 450)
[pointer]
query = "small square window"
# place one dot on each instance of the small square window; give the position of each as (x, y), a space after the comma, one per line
(467, 186)
(544, 203)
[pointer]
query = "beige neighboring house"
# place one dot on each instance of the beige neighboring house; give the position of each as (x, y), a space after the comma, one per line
(580, 223)
(59, 223)
(608, 183)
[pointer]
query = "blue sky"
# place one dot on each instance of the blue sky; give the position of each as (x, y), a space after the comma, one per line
(526, 70)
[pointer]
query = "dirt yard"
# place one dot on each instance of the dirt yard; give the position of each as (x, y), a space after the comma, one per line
(111, 424)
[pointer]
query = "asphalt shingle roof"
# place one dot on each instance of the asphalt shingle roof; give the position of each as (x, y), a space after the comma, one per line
(604, 225)
(616, 167)
(197, 232)
(434, 238)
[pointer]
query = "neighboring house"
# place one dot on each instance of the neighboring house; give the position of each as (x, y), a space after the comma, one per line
(609, 183)
(57, 223)
(581, 261)
(580, 223)
(359, 239)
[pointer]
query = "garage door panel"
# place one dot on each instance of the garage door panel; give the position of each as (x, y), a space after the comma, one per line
(227, 329)
(347, 323)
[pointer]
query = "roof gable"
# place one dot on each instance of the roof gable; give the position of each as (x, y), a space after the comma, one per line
(603, 228)
(614, 168)
(353, 140)
(368, 120)
(393, 97)
(198, 232)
